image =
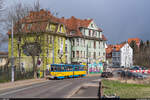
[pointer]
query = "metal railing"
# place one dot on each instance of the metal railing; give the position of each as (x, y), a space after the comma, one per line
(5, 74)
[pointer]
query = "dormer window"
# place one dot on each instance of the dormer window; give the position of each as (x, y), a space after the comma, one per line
(61, 28)
(92, 25)
(89, 32)
(22, 26)
(72, 32)
(29, 26)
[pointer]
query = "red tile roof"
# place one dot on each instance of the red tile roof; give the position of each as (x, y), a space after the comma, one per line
(104, 38)
(137, 40)
(119, 46)
(72, 24)
(109, 48)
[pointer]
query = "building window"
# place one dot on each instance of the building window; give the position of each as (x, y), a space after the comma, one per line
(22, 26)
(89, 54)
(72, 32)
(66, 48)
(92, 25)
(50, 39)
(98, 34)
(81, 41)
(61, 27)
(81, 54)
(94, 55)
(77, 42)
(59, 41)
(89, 44)
(94, 44)
(95, 34)
(92, 33)
(29, 26)
(77, 54)
(73, 54)
(73, 43)
(99, 54)
(103, 44)
(89, 32)
(104, 54)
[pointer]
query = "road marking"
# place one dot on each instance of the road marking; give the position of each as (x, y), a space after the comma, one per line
(14, 91)
(53, 87)
(74, 91)
(62, 87)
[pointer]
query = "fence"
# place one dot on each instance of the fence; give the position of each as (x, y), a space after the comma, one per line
(5, 74)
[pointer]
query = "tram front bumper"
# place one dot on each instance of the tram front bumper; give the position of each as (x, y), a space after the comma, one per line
(50, 77)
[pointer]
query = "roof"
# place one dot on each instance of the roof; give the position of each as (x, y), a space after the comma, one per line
(73, 24)
(44, 17)
(118, 46)
(104, 38)
(109, 49)
(137, 40)
(39, 21)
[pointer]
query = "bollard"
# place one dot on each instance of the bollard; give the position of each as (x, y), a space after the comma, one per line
(100, 90)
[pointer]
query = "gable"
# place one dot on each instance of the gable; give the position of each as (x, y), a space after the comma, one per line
(92, 25)
(126, 46)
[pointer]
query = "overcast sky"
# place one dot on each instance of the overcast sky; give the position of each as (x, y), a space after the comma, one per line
(119, 19)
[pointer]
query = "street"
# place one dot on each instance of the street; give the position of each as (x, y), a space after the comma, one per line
(50, 89)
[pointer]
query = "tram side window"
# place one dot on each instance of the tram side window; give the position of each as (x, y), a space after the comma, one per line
(70, 68)
(62, 68)
(58, 68)
(53, 68)
(66, 68)
(76, 67)
(81, 67)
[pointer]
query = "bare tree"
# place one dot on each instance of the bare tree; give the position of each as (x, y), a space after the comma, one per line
(19, 14)
(1, 7)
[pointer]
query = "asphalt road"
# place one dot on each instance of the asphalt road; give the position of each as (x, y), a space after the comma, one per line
(49, 89)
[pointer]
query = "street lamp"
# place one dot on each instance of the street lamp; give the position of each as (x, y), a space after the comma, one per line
(12, 56)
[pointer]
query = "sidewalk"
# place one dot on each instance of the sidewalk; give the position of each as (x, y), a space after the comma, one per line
(88, 90)
(20, 83)
(93, 75)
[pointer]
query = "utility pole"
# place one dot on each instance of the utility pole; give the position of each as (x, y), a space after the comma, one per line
(53, 50)
(87, 60)
(12, 56)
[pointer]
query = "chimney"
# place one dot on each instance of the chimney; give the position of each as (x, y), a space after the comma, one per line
(73, 17)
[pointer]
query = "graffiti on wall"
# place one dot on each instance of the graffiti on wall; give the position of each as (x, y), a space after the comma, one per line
(96, 67)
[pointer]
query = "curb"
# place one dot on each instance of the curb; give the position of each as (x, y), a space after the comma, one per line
(77, 90)
(20, 84)
(90, 75)
(74, 91)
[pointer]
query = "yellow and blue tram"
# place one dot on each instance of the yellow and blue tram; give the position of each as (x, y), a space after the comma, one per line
(61, 71)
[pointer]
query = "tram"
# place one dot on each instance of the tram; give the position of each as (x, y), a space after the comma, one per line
(61, 71)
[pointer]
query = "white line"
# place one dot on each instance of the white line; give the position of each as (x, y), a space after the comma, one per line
(14, 91)
(62, 87)
(74, 91)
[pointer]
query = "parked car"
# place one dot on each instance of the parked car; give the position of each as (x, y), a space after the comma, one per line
(106, 74)
(135, 68)
(122, 67)
(139, 75)
(120, 71)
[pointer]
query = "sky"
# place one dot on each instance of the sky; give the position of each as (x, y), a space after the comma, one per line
(119, 19)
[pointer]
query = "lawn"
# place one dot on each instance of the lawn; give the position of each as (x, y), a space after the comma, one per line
(126, 90)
